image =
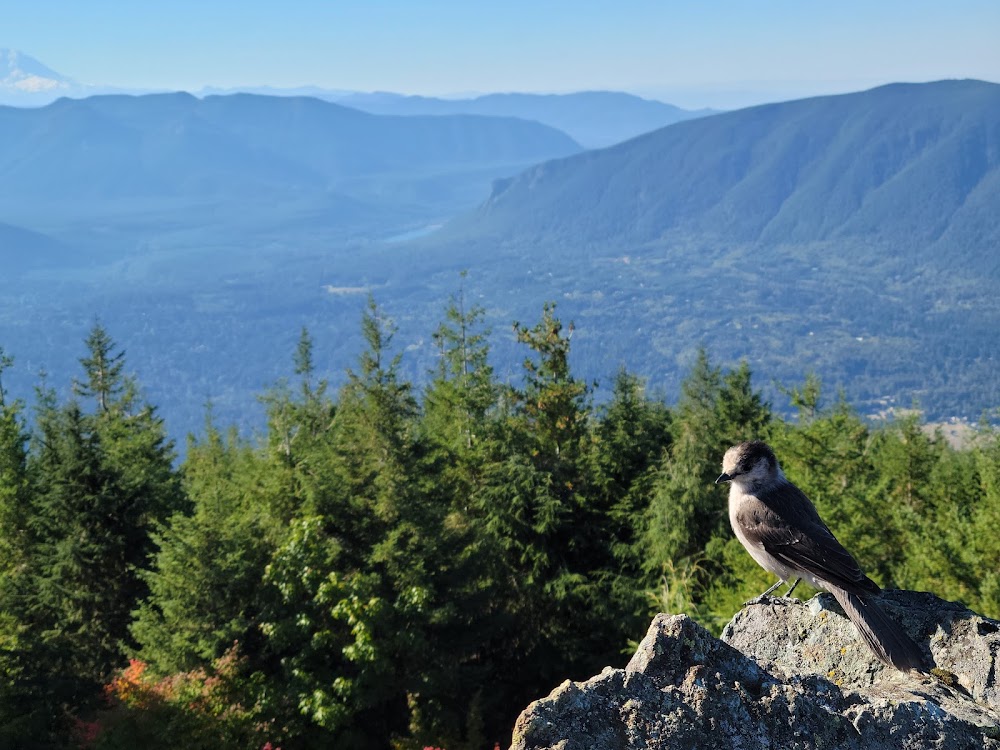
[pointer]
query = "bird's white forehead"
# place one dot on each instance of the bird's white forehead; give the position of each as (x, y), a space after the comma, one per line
(731, 459)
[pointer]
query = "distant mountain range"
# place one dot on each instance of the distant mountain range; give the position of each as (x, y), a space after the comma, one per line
(592, 118)
(176, 146)
(855, 236)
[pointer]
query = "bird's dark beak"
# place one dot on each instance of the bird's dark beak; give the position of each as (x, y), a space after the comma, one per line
(723, 478)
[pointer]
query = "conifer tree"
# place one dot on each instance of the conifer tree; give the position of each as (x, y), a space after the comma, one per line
(14, 497)
(103, 368)
(540, 511)
(459, 424)
(983, 549)
(352, 578)
(206, 587)
(715, 411)
(101, 482)
(23, 686)
(463, 389)
(687, 525)
(827, 452)
(205, 582)
(633, 435)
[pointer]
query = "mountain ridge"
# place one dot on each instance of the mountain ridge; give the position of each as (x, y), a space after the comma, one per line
(689, 185)
(851, 236)
(177, 144)
(656, 247)
(781, 179)
(593, 118)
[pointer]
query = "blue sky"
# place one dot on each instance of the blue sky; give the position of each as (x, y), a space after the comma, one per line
(693, 53)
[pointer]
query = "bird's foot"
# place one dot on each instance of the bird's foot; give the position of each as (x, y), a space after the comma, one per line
(769, 600)
(766, 597)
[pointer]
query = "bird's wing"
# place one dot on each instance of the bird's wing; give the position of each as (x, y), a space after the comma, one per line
(804, 545)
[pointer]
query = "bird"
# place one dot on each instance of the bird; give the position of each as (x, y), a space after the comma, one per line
(781, 529)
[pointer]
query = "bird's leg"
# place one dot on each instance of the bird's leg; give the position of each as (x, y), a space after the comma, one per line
(792, 588)
(762, 597)
(771, 589)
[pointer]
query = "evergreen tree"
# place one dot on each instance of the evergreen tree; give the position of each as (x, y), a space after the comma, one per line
(14, 497)
(103, 367)
(296, 424)
(376, 574)
(457, 428)
(463, 389)
(633, 436)
(982, 553)
(538, 505)
(828, 453)
(688, 544)
(23, 688)
(716, 410)
(205, 585)
(100, 483)
(84, 554)
(352, 578)
(554, 405)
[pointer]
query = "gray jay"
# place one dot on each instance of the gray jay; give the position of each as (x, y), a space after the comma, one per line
(782, 531)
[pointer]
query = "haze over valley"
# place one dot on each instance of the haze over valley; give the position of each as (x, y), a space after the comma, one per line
(853, 236)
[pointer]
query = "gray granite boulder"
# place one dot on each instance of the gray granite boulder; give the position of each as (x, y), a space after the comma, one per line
(786, 674)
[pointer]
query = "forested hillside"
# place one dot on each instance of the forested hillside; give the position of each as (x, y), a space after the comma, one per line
(854, 235)
(390, 567)
(915, 166)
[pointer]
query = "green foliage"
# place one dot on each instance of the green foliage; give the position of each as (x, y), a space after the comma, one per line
(381, 570)
(103, 368)
(982, 552)
(97, 485)
(14, 488)
(205, 583)
(716, 410)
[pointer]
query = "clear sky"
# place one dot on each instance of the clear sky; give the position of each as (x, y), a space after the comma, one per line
(713, 52)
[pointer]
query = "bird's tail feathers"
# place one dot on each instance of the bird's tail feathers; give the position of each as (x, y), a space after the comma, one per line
(887, 640)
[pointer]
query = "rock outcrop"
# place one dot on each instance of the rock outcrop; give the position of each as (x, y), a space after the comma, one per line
(786, 674)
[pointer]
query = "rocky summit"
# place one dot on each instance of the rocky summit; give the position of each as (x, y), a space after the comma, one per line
(785, 674)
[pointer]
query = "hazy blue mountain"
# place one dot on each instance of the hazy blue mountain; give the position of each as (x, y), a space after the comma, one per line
(592, 118)
(913, 164)
(855, 236)
(22, 249)
(175, 145)
(316, 92)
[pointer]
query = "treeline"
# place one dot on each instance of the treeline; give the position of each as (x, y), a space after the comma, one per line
(387, 568)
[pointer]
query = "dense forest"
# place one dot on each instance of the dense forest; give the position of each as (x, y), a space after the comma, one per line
(393, 568)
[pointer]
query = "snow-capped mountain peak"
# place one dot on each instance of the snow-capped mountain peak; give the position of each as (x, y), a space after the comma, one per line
(23, 74)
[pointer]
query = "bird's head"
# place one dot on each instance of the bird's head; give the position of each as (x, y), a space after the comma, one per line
(752, 462)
